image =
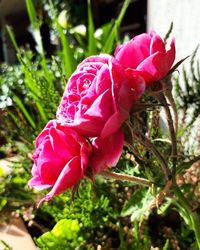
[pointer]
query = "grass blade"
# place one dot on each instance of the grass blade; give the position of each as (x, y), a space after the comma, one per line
(108, 47)
(31, 12)
(12, 37)
(67, 51)
(24, 111)
(69, 62)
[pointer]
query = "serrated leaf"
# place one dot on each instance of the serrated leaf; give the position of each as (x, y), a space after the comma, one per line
(138, 204)
(164, 206)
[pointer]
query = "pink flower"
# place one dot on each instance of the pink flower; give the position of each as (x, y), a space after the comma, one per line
(145, 55)
(98, 97)
(60, 159)
(106, 152)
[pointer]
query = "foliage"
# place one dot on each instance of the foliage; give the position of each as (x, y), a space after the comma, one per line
(188, 93)
(64, 234)
(14, 192)
(114, 215)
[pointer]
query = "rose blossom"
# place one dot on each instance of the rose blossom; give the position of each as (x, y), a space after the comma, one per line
(60, 159)
(145, 55)
(98, 97)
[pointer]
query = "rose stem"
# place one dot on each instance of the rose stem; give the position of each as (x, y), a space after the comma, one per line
(170, 98)
(145, 142)
(162, 99)
(125, 177)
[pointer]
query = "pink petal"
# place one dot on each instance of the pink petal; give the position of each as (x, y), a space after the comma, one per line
(138, 86)
(44, 133)
(157, 44)
(62, 144)
(106, 152)
(114, 122)
(87, 127)
(102, 107)
(157, 66)
(134, 52)
(85, 152)
(36, 180)
(69, 176)
(137, 73)
(100, 58)
(171, 54)
(103, 81)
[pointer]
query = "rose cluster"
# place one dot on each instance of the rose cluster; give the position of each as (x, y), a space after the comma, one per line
(87, 136)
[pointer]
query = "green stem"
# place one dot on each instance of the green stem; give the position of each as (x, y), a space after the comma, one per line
(162, 99)
(191, 216)
(143, 140)
(125, 177)
(170, 98)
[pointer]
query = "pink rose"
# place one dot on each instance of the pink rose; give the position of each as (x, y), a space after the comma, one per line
(145, 55)
(98, 97)
(106, 152)
(60, 159)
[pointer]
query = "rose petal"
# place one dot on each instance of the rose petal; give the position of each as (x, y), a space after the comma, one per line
(157, 44)
(157, 66)
(134, 52)
(106, 152)
(68, 177)
(114, 122)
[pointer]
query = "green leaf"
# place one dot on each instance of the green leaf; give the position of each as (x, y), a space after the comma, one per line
(3, 202)
(1, 171)
(108, 47)
(176, 65)
(12, 37)
(41, 111)
(138, 204)
(166, 246)
(24, 111)
(64, 235)
(67, 51)
(164, 206)
(37, 35)
(106, 29)
(168, 32)
(66, 229)
(47, 240)
(31, 12)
